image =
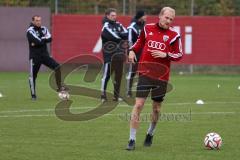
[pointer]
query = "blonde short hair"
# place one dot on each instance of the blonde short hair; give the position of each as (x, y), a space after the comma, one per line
(165, 9)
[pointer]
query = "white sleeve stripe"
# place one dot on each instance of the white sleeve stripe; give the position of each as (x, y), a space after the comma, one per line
(34, 35)
(109, 30)
(105, 25)
(145, 32)
(48, 34)
(134, 30)
(138, 37)
(132, 24)
(124, 29)
(114, 34)
(132, 27)
(30, 29)
(175, 55)
(180, 54)
(174, 39)
(44, 30)
(103, 28)
(180, 45)
(130, 42)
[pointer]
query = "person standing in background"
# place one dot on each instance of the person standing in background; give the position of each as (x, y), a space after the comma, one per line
(114, 36)
(38, 36)
(134, 30)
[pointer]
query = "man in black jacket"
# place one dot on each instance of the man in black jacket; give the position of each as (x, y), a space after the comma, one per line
(38, 36)
(114, 42)
(134, 30)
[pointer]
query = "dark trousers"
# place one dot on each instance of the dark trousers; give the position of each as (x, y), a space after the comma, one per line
(131, 74)
(35, 64)
(115, 67)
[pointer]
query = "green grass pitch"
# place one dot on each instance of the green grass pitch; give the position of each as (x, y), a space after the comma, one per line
(30, 129)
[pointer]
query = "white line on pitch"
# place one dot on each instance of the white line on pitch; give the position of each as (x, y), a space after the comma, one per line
(120, 105)
(113, 114)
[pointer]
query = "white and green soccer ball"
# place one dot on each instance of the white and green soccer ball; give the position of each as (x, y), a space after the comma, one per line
(63, 95)
(213, 141)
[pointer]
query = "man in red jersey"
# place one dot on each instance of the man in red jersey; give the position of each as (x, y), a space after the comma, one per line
(161, 44)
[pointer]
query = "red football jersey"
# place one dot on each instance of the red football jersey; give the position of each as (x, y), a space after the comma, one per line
(153, 37)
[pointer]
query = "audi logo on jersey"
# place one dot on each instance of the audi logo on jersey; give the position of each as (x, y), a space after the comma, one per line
(187, 41)
(156, 45)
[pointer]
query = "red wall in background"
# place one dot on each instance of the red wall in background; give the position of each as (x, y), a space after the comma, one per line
(214, 39)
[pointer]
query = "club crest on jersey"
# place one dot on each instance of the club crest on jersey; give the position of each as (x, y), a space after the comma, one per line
(165, 38)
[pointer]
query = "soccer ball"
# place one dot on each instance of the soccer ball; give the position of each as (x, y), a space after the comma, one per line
(63, 95)
(213, 141)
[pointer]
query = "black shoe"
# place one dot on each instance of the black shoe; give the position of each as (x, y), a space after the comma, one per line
(34, 97)
(103, 98)
(131, 145)
(148, 140)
